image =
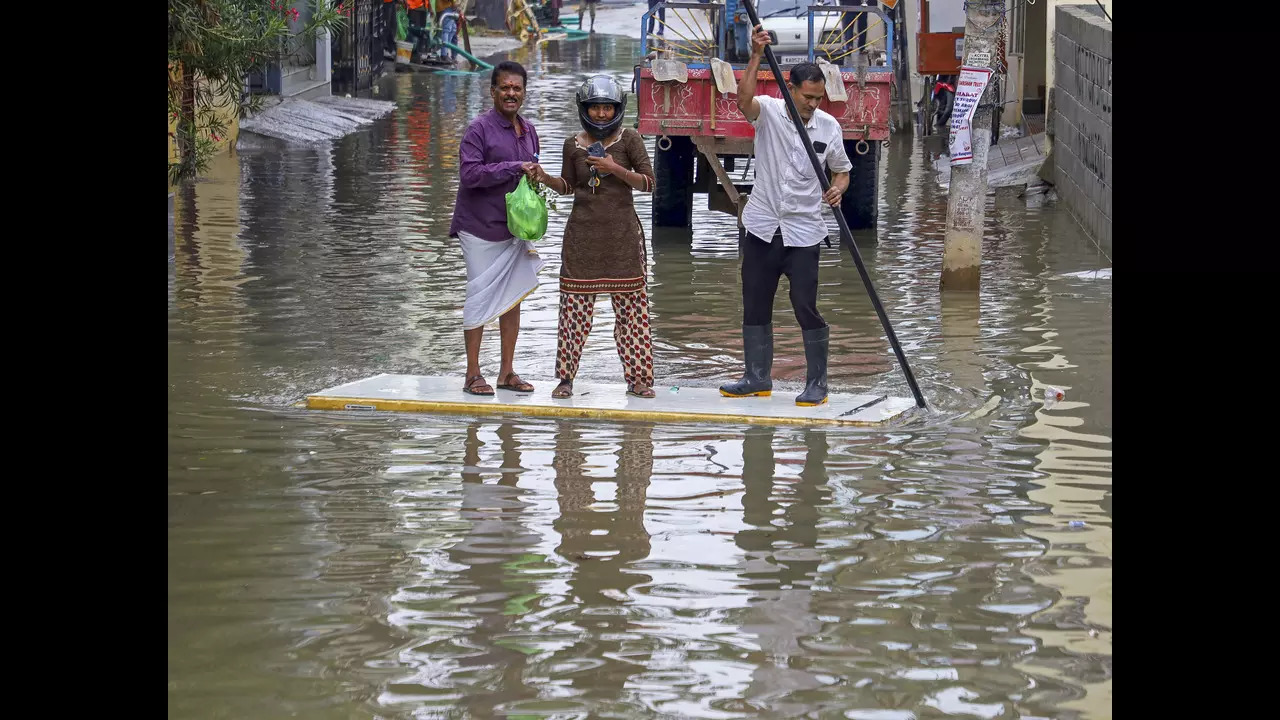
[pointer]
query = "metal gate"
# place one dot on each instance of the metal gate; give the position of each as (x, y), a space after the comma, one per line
(357, 49)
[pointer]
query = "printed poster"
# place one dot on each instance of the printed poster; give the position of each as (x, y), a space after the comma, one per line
(973, 81)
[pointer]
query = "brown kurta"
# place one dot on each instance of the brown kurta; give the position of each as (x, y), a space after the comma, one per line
(603, 248)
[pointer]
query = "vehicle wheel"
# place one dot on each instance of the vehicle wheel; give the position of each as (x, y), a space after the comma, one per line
(859, 204)
(673, 191)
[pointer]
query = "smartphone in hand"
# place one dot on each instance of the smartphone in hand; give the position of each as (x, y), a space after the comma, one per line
(596, 149)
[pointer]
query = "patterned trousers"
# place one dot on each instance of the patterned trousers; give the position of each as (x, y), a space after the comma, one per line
(630, 332)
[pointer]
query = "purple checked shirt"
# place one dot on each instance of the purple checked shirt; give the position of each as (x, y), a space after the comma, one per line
(490, 158)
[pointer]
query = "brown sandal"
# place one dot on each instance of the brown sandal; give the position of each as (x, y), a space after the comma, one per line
(470, 386)
(563, 390)
(641, 390)
(519, 385)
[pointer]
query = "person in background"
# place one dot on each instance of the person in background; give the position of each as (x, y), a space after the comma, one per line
(660, 18)
(447, 19)
(389, 29)
(584, 6)
(417, 26)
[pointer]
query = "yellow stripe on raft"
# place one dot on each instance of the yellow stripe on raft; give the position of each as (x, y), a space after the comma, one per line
(319, 402)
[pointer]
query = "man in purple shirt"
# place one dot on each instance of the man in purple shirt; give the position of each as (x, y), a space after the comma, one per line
(497, 149)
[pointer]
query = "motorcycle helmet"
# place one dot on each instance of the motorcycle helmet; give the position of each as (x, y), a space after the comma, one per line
(600, 90)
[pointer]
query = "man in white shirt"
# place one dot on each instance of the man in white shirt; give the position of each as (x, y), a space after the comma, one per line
(784, 223)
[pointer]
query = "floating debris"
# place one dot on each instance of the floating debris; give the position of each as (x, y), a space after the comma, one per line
(1099, 274)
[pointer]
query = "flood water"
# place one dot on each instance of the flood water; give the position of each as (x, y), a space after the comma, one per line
(336, 565)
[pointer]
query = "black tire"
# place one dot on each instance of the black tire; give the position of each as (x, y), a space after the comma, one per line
(673, 193)
(859, 204)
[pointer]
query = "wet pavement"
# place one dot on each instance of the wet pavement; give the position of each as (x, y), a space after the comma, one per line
(336, 565)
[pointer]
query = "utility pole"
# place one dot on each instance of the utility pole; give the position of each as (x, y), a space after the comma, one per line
(967, 202)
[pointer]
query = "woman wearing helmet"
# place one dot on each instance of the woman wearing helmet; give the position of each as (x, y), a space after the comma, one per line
(603, 249)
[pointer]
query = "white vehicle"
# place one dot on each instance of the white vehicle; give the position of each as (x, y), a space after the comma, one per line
(788, 24)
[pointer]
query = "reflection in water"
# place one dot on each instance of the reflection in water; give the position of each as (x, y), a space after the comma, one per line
(1077, 484)
(493, 587)
(337, 565)
(466, 647)
(782, 559)
(207, 251)
(692, 339)
(601, 539)
(961, 333)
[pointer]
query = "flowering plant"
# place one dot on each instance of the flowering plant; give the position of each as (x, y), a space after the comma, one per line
(213, 46)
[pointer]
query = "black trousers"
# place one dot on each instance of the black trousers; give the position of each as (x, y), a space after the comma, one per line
(389, 26)
(762, 264)
(417, 31)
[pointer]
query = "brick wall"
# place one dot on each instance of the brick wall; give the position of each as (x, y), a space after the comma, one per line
(1080, 121)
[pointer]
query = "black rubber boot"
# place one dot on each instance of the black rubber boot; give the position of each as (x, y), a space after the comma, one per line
(815, 356)
(757, 346)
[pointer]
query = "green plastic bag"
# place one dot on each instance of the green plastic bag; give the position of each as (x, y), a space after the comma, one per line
(402, 23)
(526, 212)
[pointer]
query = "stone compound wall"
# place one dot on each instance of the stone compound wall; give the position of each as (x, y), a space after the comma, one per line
(1080, 119)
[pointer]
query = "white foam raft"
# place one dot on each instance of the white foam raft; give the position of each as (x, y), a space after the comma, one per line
(435, 394)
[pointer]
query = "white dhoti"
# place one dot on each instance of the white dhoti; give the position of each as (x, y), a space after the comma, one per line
(499, 275)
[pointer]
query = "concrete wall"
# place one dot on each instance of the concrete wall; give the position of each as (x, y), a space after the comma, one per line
(1080, 123)
(308, 74)
(225, 111)
(1050, 31)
